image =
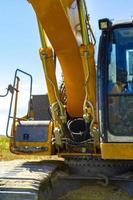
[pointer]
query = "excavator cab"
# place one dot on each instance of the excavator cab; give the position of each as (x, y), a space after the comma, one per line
(115, 86)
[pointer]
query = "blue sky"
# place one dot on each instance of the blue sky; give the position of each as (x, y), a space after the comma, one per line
(19, 40)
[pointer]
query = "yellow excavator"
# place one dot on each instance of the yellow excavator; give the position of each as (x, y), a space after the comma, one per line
(88, 119)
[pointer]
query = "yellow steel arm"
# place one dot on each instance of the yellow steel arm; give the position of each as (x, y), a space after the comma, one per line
(58, 29)
(78, 71)
(67, 3)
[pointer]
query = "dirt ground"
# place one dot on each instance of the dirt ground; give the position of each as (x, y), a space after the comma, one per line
(97, 193)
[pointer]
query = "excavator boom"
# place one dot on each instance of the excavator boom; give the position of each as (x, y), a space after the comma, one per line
(54, 19)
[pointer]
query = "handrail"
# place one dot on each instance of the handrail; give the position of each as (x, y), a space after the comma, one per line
(16, 102)
(27, 74)
(5, 94)
(11, 102)
(9, 89)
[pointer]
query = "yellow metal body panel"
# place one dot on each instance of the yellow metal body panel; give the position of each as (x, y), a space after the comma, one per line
(58, 29)
(47, 144)
(122, 151)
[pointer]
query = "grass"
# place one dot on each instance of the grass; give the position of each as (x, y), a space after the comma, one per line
(4, 148)
(5, 153)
